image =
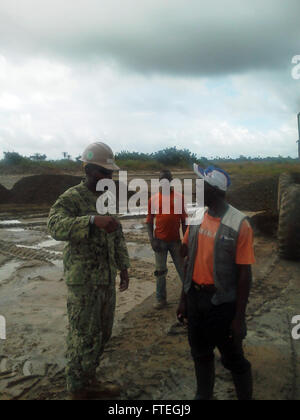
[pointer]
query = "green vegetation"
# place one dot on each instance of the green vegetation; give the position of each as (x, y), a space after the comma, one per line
(170, 157)
(14, 163)
(183, 159)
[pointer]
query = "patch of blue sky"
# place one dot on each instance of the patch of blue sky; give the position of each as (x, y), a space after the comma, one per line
(222, 86)
(261, 123)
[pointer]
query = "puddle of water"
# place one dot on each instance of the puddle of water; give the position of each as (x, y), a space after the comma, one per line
(38, 247)
(10, 222)
(34, 220)
(8, 269)
(138, 227)
(143, 252)
(190, 208)
(48, 243)
(142, 212)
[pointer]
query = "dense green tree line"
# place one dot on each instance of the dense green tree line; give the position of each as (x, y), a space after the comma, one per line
(169, 157)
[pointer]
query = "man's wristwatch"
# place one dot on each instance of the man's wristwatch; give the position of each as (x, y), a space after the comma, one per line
(92, 220)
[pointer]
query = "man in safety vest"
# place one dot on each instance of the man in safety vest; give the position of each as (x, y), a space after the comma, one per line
(219, 253)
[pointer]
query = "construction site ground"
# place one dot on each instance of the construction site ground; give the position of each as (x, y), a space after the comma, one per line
(148, 354)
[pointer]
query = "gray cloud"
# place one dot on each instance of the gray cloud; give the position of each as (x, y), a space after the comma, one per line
(50, 107)
(174, 36)
(213, 76)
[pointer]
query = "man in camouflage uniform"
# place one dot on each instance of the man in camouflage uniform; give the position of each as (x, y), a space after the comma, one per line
(95, 250)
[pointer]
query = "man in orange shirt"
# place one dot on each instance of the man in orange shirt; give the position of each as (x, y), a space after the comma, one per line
(219, 252)
(164, 235)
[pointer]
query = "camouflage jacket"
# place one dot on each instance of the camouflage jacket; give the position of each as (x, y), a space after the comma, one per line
(91, 255)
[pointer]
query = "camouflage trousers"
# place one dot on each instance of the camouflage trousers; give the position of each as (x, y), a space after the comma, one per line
(91, 312)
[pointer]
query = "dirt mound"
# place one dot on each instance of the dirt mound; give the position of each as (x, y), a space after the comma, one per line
(38, 189)
(265, 223)
(41, 189)
(45, 189)
(256, 196)
(4, 194)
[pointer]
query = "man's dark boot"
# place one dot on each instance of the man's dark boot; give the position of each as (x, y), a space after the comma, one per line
(243, 385)
(99, 389)
(205, 374)
(80, 395)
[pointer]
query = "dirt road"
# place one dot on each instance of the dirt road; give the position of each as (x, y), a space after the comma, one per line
(148, 353)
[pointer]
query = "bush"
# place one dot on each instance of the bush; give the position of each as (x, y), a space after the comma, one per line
(173, 157)
(132, 156)
(38, 157)
(13, 158)
(167, 157)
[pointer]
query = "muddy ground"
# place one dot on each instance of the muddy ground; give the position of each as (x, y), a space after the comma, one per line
(148, 354)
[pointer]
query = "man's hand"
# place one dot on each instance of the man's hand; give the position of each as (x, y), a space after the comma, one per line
(182, 310)
(124, 283)
(238, 329)
(107, 223)
(155, 245)
(184, 251)
(238, 325)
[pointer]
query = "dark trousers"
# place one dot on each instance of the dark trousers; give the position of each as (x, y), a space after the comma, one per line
(209, 327)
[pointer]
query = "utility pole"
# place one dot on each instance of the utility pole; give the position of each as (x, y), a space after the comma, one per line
(298, 118)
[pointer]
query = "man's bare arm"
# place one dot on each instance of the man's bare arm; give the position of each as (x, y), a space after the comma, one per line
(238, 326)
(243, 290)
(150, 231)
(154, 242)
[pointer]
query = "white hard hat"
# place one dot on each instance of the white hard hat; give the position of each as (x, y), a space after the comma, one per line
(100, 154)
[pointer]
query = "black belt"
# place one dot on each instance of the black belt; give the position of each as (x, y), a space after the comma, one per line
(209, 288)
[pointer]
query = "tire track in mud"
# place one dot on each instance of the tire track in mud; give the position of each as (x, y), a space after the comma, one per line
(264, 290)
(25, 253)
(25, 226)
(150, 358)
(269, 296)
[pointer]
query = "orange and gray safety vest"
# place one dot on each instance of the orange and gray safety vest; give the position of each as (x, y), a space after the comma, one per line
(225, 267)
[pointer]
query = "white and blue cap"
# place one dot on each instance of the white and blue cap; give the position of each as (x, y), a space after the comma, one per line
(215, 177)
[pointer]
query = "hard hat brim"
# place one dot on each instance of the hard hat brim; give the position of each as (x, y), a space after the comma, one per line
(109, 166)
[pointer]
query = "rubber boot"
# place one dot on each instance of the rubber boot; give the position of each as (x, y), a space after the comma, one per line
(99, 389)
(243, 385)
(205, 374)
(160, 304)
(80, 395)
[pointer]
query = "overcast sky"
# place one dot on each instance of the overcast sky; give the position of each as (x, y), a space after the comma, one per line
(141, 75)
